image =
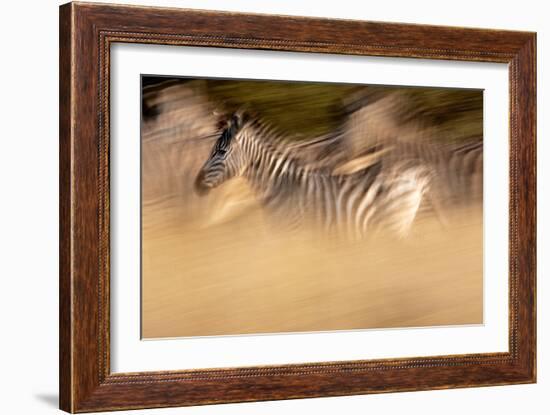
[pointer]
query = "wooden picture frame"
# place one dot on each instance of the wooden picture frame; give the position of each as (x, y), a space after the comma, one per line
(86, 33)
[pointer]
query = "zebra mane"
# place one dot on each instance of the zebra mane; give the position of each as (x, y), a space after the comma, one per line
(276, 144)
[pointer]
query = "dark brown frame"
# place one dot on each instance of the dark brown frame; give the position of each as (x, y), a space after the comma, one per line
(86, 33)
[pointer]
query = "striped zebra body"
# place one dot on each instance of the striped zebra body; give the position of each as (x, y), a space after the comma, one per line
(456, 175)
(464, 173)
(347, 204)
(457, 170)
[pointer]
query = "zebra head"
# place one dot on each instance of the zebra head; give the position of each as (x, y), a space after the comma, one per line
(226, 159)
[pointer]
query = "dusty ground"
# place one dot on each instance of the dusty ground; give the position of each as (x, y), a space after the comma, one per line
(243, 276)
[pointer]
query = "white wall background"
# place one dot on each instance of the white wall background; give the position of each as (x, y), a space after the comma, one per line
(29, 206)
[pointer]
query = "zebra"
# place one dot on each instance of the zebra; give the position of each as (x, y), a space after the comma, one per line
(457, 171)
(373, 124)
(462, 173)
(349, 204)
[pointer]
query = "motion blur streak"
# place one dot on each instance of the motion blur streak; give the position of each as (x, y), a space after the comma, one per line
(223, 263)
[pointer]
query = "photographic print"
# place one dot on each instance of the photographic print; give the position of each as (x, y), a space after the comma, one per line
(280, 207)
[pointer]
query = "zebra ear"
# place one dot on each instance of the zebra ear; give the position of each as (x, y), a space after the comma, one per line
(224, 119)
(239, 118)
(222, 116)
(222, 123)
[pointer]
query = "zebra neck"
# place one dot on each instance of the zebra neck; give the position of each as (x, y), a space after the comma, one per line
(270, 167)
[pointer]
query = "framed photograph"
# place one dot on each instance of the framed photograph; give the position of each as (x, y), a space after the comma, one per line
(259, 207)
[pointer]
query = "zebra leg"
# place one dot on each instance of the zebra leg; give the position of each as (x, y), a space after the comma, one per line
(403, 199)
(401, 221)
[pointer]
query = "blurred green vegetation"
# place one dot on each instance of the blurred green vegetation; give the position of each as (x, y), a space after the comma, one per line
(297, 109)
(310, 109)
(456, 113)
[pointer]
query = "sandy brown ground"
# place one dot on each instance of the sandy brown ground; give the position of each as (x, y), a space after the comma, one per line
(243, 276)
